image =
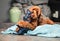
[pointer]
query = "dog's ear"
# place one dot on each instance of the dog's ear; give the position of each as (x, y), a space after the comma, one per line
(39, 12)
(37, 8)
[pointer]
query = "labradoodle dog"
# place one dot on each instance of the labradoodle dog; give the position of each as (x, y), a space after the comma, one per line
(33, 18)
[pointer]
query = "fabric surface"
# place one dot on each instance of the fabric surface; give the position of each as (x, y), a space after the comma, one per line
(46, 30)
(10, 30)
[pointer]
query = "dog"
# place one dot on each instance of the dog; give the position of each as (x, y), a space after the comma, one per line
(36, 18)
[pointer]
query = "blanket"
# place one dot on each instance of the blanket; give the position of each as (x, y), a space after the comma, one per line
(10, 30)
(46, 30)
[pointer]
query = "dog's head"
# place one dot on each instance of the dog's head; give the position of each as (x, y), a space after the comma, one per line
(32, 13)
(36, 12)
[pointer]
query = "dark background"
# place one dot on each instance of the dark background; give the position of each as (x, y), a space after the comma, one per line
(5, 5)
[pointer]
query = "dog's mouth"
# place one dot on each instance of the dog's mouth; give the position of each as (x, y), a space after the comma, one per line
(33, 16)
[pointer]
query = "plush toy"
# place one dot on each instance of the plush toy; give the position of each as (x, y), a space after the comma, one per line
(33, 18)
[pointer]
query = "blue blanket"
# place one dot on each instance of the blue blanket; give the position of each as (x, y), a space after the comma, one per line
(46, 31)
(42, 30)
(10, 30)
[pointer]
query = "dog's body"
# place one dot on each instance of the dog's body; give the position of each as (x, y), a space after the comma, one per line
(36, 19)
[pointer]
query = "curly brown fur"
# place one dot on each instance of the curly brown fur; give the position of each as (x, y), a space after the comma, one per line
(37, 19)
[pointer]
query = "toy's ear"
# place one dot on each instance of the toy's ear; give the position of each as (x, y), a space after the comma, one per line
(28, 12)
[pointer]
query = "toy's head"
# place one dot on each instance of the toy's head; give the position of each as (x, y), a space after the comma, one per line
(27, 17)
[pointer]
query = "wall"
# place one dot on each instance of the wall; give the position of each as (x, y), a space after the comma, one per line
(4, 6)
